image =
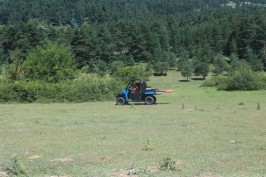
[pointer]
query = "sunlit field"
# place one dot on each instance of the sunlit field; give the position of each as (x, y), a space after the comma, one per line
(203, 131)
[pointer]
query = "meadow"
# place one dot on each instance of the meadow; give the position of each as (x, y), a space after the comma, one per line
(205, 133)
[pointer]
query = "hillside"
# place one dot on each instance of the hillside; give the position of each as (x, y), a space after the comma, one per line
(76, 12)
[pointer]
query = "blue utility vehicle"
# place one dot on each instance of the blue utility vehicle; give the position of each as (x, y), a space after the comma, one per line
(137, 91)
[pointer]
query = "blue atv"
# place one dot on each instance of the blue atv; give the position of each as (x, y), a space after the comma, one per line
(137, 91)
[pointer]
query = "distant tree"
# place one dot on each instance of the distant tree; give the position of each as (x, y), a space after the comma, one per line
(101, 67)
(130, 72)
(186, 69)
(184, 56)
(160, 68)
(128, 60)
(16, 71)
(52, 62)
(22, 36)
(252, 59)
(220, 64)
(201, 67)
(172, 60)
(115, 65)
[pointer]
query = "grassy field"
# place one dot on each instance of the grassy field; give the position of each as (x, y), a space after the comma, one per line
(206, 132)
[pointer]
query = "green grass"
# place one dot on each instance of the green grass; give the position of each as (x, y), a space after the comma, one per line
(205, 131)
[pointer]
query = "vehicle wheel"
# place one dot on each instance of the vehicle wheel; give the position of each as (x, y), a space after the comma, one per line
(149, 100)
(154, 99)
(121, 101)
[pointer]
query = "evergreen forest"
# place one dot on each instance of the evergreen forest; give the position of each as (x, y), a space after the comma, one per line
(46, 45)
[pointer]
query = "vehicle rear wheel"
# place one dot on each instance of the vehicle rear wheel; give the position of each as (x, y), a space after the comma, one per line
(121, 101)
(149, 100)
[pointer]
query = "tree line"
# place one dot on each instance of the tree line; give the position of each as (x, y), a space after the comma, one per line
(202, 34)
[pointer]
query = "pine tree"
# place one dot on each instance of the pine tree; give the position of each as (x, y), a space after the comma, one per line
(186, 69)
(252, 59)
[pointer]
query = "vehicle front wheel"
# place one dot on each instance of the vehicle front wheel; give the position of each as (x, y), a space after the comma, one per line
(121, 100)
(149, 100)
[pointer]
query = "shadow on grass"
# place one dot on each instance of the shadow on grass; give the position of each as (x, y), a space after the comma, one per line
(197, 79)
(183, 80)
(139, 104)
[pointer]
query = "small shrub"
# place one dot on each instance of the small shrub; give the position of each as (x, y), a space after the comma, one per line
(241, 103)
(148, 146)
(168, 164)
(258, 106)
(16, 168)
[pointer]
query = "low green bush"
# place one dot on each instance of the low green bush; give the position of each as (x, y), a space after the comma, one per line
(242, 78)
(81, 90)
(88, 89)
(18, 92)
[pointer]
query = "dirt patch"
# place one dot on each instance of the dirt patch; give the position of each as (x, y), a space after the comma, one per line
(136, 172)
(185, 97)
(34, 157)
(3, 174)
(104, 159)
(180, 164)
(209, 174)
(65, 159)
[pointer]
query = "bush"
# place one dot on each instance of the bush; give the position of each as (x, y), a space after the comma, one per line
(115, 65)
(243, 78)
(18, 92)
(126, 73)
(88, 89)
(218, 81)
(81, 90)
(52, 62)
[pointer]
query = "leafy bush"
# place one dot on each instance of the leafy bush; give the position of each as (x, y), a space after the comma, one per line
(88, 89)
(52, 62)
(18, 92)
(134, 72)
(115, 65)
(242, 78)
